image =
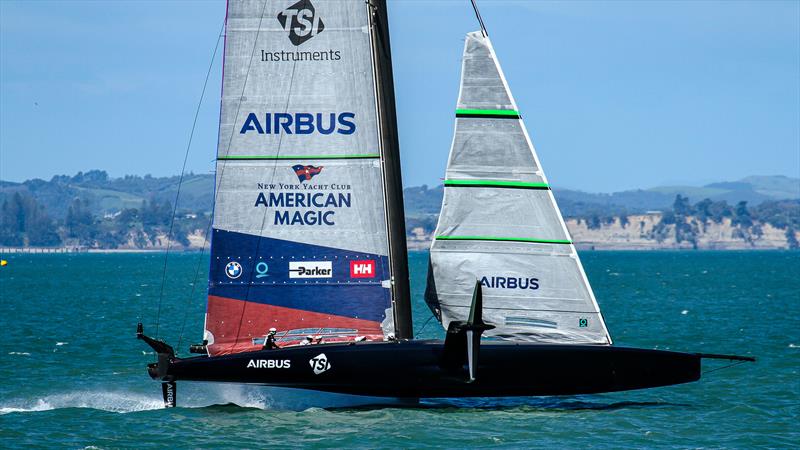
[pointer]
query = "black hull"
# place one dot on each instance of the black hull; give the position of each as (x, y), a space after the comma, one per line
(414, 369)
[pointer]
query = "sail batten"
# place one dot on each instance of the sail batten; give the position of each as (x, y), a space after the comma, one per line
(303, 157)
(500, 225)
(495, 183)
(498, 238)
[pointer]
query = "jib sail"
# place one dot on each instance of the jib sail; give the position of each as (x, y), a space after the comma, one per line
(500, 224)
(300, 239)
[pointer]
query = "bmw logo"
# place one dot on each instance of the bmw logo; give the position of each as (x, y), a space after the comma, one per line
(233, 270)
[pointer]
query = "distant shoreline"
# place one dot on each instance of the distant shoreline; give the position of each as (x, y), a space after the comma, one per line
(582, 247)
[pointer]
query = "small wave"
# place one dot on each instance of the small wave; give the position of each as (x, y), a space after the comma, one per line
(119, 402)
(19, 353)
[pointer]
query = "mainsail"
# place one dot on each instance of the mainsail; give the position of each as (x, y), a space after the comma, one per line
(306, 179)
(500, 224)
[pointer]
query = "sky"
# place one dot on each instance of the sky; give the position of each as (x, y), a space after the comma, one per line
(616, 95)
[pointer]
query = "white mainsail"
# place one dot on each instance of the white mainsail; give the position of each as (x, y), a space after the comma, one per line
(300, 238)
(500, 224)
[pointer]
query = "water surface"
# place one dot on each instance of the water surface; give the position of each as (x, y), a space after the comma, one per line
(74, 374)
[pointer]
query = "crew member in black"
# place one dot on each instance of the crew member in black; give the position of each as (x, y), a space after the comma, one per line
(269, 342)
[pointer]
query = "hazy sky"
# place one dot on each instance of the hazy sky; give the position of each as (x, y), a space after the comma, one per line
(616, 95)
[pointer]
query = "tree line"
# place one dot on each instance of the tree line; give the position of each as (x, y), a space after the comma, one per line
(24, 222)
(691, 220)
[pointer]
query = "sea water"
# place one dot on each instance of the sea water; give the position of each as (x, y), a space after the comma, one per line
(74, 374)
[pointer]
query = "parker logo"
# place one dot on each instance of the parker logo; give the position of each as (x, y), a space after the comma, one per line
(362, 269)
(320, 363)
(306, 173)
(310, 269)
(301, 22)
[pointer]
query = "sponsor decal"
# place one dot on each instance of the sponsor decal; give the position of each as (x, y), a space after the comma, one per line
(306, 173)
(301, 22)
(261, 270)
(499, 282)
(304, 203)
(583, 322)
(269, 364)
(310, 269)
(317, 55)
(320, 364)
(362, 269)
(233, 270)
(299, 123)
(168, 389)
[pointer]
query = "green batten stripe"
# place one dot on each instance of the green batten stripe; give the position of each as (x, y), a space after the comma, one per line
(494, 238)
(278, 157)
(487, 112)
(497, 183)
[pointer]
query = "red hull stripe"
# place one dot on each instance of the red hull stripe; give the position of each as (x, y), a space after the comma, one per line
(225, 316)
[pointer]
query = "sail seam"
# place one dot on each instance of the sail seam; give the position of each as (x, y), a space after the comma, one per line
(495, 184)
(523, 309)
(488, 113)
(284, 157)
(497, 238)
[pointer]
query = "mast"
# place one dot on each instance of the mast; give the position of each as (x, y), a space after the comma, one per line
(480, 19)
(392, 178)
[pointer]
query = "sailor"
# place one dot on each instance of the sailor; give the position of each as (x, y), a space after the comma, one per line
(269, 342)
(308, 340)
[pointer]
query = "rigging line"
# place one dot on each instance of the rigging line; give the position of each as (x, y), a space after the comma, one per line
(224, 164)
(724, 367)
(264, 217)
(208, 229)
(194, 283)
(480, 20)
(180, 181)
(423, 327)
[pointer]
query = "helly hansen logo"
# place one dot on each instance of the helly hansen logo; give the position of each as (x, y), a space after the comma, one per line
(301, 22)
(362, 269)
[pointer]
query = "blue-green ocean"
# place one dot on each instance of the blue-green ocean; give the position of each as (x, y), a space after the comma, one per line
(73, 373)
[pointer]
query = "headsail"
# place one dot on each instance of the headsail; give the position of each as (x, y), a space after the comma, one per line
(500, 224)
(300, 239)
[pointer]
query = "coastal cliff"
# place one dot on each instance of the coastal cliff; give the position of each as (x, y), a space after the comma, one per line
(648, 232)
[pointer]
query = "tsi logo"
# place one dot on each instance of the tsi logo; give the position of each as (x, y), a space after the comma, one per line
(233, 270)
(320, 363)
(301, 22)
(362, 269)
(310, 269)
(269, 364)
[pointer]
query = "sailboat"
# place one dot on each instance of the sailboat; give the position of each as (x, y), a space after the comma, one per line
(308, 240)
